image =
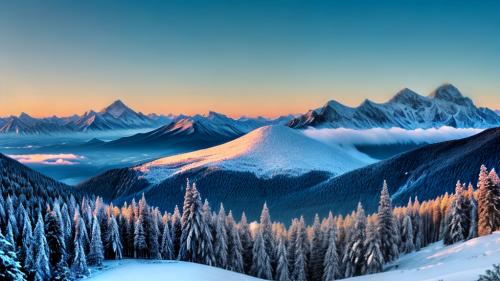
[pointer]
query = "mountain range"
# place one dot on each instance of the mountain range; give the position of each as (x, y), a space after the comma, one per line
(116, 116)
(445, 106)
(296, 175)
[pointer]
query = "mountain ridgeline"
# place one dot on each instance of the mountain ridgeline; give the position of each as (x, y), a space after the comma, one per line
(446, 106)
(425, 172)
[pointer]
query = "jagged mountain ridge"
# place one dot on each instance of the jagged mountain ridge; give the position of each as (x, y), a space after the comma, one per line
(446, 106)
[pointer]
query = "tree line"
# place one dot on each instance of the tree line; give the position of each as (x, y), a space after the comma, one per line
(58, 238)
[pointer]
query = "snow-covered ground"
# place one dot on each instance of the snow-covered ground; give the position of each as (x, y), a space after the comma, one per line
(266, 152)
(459, 262)
(135, 270)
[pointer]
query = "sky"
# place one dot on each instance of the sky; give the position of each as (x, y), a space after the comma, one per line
(259, 57)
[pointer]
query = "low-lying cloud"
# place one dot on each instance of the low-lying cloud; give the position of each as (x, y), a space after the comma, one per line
(380, 136)
(48, 159)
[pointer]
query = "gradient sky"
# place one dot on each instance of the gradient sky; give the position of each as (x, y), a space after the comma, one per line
(241, 57)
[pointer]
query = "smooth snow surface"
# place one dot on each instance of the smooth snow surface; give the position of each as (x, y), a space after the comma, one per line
(135, 270)
(266, 152)
(459, 262)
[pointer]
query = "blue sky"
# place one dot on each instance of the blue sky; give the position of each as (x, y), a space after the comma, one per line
(241, 57)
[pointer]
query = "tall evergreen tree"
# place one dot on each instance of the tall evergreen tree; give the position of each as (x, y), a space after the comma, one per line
(56, 246)
(299, 272)
(221, 239)
(246, 242)
(407, 245)
(235, 257)
(373, 257)
(10, 268)
(79, 265)
(488, 203)
(354, 257)
(282, 272)
(176, 228)
(386, 226)
(261, 264)
(40, 268)
(456, 218)
(113, 241)
(26, 252)
(331, 260)
(166, 248)
(267, 232)
(196, 239)
(96, 254)
(317, 251)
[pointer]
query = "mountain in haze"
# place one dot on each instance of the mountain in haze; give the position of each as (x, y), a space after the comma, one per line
(268, 163)
(195, 132)
(116, 116)
(446, 106)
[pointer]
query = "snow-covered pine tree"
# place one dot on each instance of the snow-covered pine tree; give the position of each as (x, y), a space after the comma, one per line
(196, 239)
(235, 258)
(10, 268)
(113, 240)
(292, 237)
(386, 226)
(331, 260)
(487, 201)
(79, 265)
(166, 247)
(221, 239)
(355, 250)
(40, 269)
(96, 253)
(456, 217)
(472, 233)
(246, 242)
(317, 252)
(407, 245)
(10, 236)
(373, 257)
(176, 229)
(11, 217)
(266, 226)
(26, 252)
(299, 272)
(56, 246)
(261, 264)
(282, 272)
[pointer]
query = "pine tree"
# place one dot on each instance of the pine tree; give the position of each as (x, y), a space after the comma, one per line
(113, 241)
(176, 228)
(235, 257)
(220, 241)
(488, 203)
(282, 272)
(96, 254)
(355, 251)
(261, 264)
(79, 266)
(299, 272)
(10, 269)
(374, 257)
(56, 246)
(455, 228)
(331, 260)
(196, 239)
(267, 232)
(10, 236)
(166, 248)
(246, 242)
(26, 253)
(40, 268)
(491, 274)
(386, 226)
(317, 252)
(407, 245)
(472, 233)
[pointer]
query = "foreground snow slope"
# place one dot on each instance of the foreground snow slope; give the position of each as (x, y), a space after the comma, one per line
(133, 270)
(266, 152)
(460, 262)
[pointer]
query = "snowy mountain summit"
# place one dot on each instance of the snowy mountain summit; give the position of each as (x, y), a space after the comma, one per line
(265, 152)
(445, 106)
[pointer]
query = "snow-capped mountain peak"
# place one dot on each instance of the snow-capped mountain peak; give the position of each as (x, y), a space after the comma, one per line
(265, 152)
(117, 109)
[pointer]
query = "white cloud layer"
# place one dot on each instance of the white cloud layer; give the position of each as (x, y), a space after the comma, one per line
(47, 159)
(379, 136)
